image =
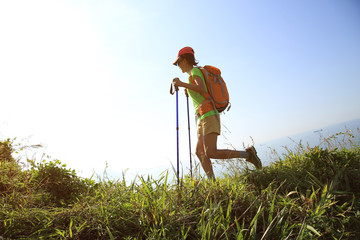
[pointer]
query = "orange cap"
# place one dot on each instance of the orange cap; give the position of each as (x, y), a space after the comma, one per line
(182, 52)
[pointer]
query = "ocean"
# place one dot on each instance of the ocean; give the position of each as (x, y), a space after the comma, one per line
(266, 151)
(271, 151)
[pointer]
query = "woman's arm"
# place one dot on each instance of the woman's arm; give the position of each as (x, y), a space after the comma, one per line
(197, 87)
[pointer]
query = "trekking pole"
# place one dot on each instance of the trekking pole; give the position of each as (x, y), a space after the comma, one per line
(177, 129)
(187, 101)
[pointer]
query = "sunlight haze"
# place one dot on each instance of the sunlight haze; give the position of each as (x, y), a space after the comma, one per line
(90, 79)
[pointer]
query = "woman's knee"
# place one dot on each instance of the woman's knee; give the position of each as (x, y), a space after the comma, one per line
(200, 153)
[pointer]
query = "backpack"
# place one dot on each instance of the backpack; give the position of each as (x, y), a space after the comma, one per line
(216, 87)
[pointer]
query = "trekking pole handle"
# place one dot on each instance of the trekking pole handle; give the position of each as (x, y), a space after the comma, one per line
(172, 87)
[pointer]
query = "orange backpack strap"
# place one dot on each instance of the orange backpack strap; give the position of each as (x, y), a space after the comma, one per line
(191, 77)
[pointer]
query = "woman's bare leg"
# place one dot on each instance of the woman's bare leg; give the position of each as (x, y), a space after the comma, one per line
(204, 160)
(211, 151)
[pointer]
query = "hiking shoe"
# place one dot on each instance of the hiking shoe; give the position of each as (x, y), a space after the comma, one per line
(253, 157)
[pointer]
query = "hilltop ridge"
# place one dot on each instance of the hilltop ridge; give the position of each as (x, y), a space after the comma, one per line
(310, 193)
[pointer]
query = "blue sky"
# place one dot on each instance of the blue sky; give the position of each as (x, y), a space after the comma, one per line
(90, 79)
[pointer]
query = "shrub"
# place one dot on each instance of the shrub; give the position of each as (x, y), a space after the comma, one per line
(6, 151)
(56, 183)
(10, 170)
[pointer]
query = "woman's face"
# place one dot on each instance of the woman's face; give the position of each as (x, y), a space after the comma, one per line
(183, 65)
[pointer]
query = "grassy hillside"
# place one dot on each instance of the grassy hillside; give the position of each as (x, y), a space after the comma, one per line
(306, 194)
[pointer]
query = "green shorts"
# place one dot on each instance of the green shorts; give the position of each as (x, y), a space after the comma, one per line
(208, 125)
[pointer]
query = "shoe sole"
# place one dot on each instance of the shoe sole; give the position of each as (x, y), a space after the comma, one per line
(258, 163)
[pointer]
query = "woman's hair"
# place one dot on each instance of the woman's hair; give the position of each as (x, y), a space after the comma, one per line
(190, 58)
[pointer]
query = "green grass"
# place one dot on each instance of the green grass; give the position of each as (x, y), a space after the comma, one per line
(309, 193)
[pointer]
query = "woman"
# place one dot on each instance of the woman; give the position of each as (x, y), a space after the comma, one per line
(209, 120)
